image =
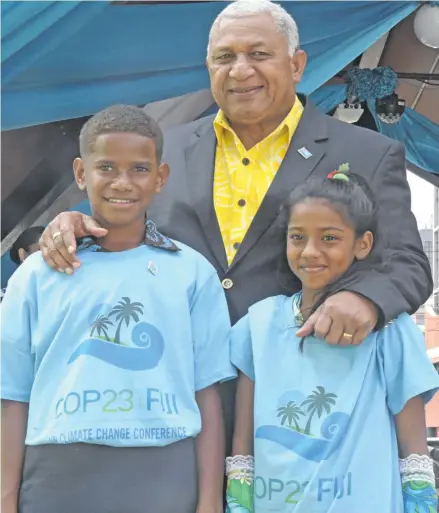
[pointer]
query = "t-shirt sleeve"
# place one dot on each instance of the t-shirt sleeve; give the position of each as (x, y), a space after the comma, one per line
(18, 315)
(407, 370)
(242, 350)
(211, 335)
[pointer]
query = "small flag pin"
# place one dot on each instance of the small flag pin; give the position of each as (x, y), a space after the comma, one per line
(305, 153)
(152, 268)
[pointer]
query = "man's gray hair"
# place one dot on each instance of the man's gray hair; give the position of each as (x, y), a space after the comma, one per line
(242, 8)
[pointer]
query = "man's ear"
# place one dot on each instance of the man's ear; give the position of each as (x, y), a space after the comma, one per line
(298, 63)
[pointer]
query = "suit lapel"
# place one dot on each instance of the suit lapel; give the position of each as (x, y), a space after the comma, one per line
(311, 134)
(200, 162)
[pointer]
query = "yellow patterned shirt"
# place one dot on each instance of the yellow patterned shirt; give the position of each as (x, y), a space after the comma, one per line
(242, 177)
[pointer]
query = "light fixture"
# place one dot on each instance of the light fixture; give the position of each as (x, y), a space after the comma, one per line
(390, 108)
(426, 25)
(350, 111)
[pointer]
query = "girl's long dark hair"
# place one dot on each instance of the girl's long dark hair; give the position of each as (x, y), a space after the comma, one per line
(355, 202)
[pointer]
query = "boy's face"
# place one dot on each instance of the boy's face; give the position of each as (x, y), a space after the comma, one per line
(121, 177)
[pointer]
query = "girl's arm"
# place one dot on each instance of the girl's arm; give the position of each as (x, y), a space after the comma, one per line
(210, 448)
(411, 429)
(240, 467)
(416, 466)
(243, 433)
(14, 422)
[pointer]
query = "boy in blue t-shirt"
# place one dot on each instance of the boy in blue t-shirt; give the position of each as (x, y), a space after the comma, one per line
(109, 376)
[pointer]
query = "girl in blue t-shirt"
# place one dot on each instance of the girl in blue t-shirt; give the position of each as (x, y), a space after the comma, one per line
(323, 428)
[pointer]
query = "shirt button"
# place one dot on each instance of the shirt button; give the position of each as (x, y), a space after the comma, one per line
(245, 161)
(242, 202)
(227, 283)
(236, 245)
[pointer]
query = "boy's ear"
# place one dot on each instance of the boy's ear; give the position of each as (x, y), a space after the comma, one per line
(162, 176)
(79, 172)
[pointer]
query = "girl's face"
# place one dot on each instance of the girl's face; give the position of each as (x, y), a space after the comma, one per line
(321, 244)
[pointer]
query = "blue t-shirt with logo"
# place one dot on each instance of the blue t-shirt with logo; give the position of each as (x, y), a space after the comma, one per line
(324, 432)
(114, 354)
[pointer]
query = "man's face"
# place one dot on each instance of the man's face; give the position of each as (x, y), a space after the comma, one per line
(253, 79)
(121, 176)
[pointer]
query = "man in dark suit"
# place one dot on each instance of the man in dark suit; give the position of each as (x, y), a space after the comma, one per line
(264, 141)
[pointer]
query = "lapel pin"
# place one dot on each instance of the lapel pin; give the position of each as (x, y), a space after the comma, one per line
(152, 268)
(306, 154)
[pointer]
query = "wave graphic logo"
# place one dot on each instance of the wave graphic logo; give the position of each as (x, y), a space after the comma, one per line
(296, 414)
(311, 448)
(148, 344)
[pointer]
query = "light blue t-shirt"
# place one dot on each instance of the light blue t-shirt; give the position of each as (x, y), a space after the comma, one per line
(114, 354)
(325, 438)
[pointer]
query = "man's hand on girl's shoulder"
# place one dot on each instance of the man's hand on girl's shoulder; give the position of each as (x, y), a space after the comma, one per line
(345, 318)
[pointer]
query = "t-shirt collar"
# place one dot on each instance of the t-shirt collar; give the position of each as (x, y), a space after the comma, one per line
(152, 238)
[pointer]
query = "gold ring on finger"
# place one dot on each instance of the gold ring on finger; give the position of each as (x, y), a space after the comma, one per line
(347, 335)
(56, 234)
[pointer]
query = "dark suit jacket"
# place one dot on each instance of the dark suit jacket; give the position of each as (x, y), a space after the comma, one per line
(185, 211)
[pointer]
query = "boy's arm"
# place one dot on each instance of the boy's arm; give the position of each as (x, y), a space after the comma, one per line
(240, 467)
(416, 466)
(210, 448)
(13, 433)
(19, 322)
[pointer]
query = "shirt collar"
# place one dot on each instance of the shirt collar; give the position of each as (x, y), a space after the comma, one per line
(221, 123)
(152, 238)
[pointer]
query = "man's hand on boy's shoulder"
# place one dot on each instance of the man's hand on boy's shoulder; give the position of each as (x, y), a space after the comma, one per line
(58, 242)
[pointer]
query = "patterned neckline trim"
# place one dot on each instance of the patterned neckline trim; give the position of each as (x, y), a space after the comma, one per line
(297, 314)
(152, 238)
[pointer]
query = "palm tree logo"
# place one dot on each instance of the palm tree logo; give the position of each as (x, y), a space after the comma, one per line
(318, 401)
(290, 413)
(125, 311)
(101, 325)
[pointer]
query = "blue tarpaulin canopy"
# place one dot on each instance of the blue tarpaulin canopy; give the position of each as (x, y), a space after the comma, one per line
(62, 60)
